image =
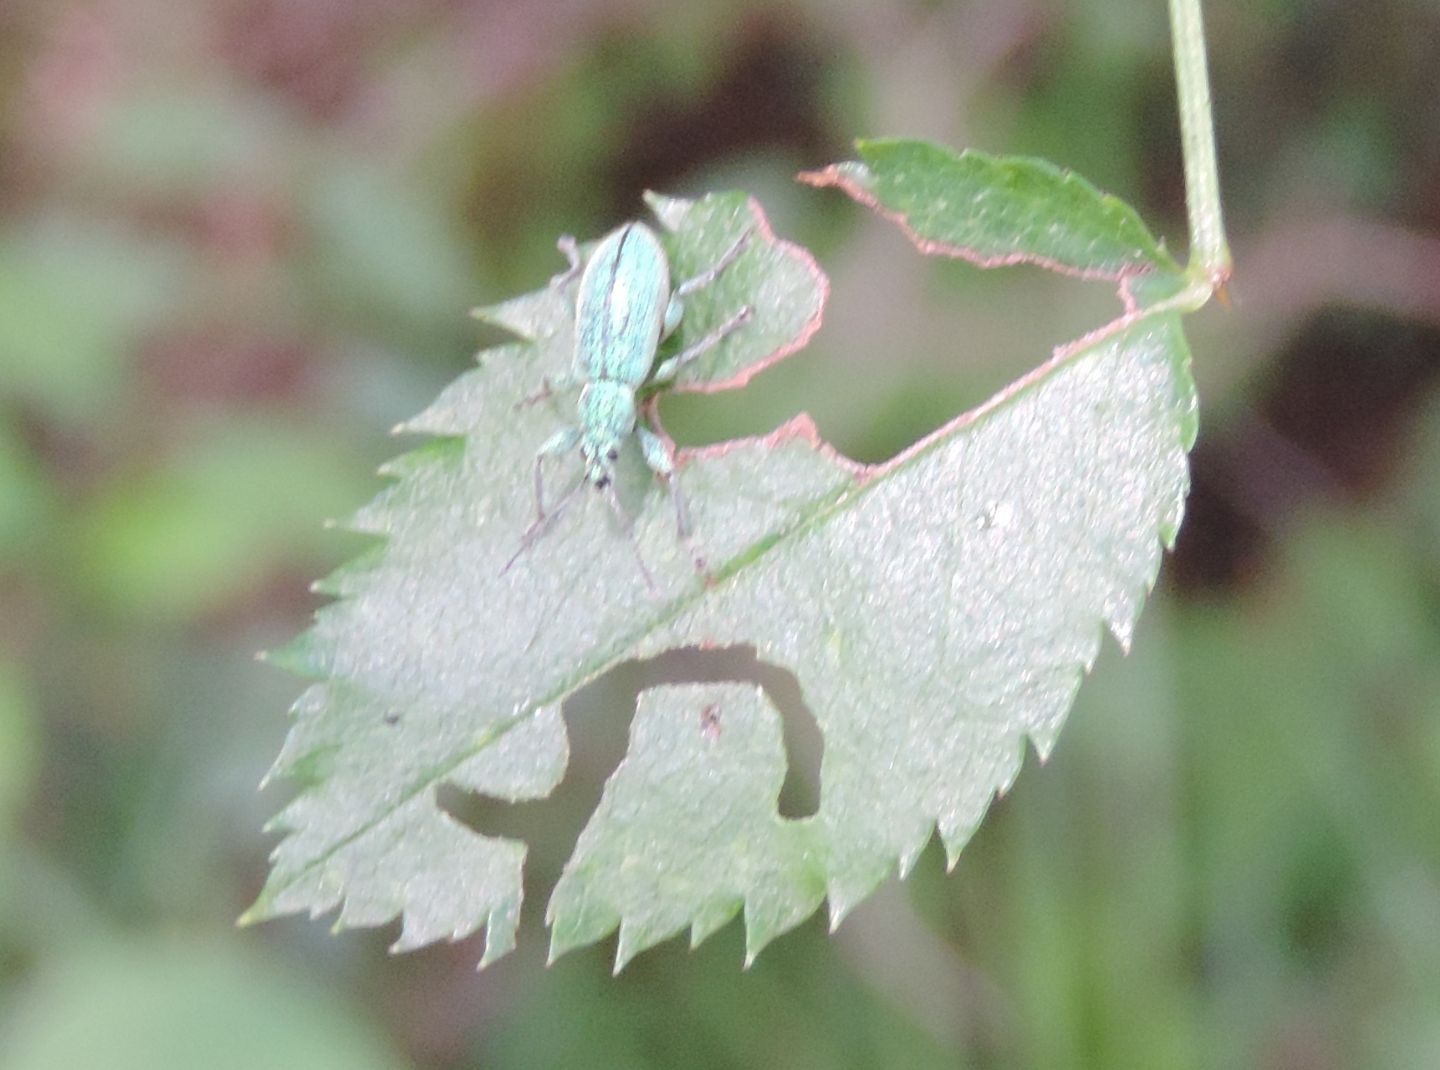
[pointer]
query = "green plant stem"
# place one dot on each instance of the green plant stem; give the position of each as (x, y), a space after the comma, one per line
(1209, 253)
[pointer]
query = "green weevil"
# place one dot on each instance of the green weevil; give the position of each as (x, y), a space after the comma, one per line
(624, 309)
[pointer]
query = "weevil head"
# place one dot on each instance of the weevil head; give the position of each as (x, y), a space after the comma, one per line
(607, 418)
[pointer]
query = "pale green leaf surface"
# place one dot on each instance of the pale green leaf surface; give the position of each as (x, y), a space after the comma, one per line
(687, 832)
(996, 210)
(937, 610)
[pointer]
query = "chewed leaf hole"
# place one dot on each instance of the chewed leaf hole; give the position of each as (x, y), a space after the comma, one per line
(598, 720)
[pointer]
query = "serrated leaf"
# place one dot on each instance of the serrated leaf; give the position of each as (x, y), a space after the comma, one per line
(687, 833)
(998, 210)
(938, 610)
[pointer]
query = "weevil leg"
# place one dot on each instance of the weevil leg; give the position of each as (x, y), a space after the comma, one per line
(670, 368)
(706, 277)
(562, 441)
(541, 525)
(550, 387)
(571, 248)
(675, 309)
(657, 456)
(674, 313)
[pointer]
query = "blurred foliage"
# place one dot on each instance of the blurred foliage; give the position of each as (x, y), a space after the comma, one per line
(164, 1005)
(237, 239)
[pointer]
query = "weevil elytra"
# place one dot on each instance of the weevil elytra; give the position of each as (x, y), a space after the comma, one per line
(625, 307)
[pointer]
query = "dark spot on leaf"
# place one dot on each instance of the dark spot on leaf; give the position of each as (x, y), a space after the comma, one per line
(710, 722)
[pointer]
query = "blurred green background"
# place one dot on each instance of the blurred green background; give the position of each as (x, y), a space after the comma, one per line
(238, 240)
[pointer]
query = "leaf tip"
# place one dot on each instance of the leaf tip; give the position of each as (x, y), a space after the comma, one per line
(294, 657)
(756, 940)
(494, 949)
(669, 210)
(907, 860)
(560, 943)
(255, 913)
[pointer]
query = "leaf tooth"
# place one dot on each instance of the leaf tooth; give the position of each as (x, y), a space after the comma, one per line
(572, 928)
(524, 315)
(669, 210)
(357, 913)
(346, 579)
(635, 936)
(303, 760)
(278, 823)
(274, 901)
(840, 903)
(843, 895)
(1123, 629)
(377, 517)
(1125, 614)
(1042, 737)
(956, 828)
(713, 917)
(260, 910)
(765, 920)
(906, 862)
(500, 932)
(283, 768)
(759, 931)
(837, 909)
(408, 940)
(454, 413)
(298, 656)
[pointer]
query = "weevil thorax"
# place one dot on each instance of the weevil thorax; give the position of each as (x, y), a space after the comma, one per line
(607, 418)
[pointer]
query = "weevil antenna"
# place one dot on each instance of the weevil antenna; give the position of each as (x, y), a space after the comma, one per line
(542, 524)
(626, 522)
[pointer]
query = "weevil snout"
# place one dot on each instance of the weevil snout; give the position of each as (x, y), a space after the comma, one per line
(599, 463)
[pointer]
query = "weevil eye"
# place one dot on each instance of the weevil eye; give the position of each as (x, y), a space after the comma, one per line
(612, 454)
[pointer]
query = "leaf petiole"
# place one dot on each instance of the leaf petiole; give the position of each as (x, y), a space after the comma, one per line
(1210, 265)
